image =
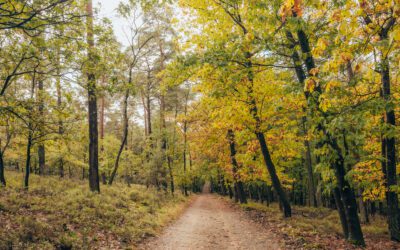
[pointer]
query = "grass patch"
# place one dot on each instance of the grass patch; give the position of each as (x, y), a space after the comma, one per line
(64, 214)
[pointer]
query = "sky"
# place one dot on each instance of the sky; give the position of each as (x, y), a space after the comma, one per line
(108, 9)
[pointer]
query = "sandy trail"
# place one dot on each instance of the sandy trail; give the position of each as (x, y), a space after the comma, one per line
(211, 223)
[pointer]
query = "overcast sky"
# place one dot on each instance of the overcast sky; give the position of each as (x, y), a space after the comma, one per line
(108, 10)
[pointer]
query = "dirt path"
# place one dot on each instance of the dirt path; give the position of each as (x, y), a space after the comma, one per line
(211, 223)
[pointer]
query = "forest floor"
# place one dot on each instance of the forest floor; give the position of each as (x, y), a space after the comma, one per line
(63, 214)
(211, 222)
(316, 228)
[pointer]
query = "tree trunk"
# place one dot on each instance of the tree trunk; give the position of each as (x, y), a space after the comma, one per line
(172, 156)
(2, 178)
(301, 76)
(185, 128)
(347, 193)
(390, 157)
(59, 106)
(184, 159)
(241, 195)
(311, 185)
(171, 176)
(41, 148)
(94, 180)
(341, 211)
(163, 128)
(363, 208)
(274, 177)
(146, 132)
(230, 191)
(348, 197)
(261, 139)
(28, 160)
(124, 137)
(148, 104)
(102, 113)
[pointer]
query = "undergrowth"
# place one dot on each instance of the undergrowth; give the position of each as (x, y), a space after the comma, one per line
(317, 228)
(64, 214)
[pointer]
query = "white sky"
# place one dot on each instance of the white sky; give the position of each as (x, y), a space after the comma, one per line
(108, 9)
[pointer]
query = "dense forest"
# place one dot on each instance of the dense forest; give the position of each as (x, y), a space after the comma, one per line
(284, 102)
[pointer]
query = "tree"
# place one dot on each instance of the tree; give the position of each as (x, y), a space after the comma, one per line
(94, 181)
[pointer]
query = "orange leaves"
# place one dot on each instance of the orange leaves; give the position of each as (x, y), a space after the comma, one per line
(290, 8)
(310, 84)
(253, 146)
(297, 7)
(321, 47)
(331, 85)
(346, 56)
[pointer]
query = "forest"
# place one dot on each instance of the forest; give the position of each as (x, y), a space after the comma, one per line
(285, 110)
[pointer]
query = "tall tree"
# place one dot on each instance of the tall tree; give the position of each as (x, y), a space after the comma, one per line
(94, 181)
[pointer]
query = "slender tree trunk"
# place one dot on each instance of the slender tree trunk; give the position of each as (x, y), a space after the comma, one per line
(2, 178)
(163, 128)
(348, 197)
(301, 76)
(393, 212)
(146, 132)
(236, 192)
(28, 160)
(261, 139)
(235, 166)
(41, 147)
(342, 213)
(274, 177)
(347, 193)
(124, 137)
(185, 128)
(171, 175)
(102, 113)
(172, 156)
(363, 208)
(59, 106)
(184, 157)
(311, 185)
(94, 180)
(148, 104)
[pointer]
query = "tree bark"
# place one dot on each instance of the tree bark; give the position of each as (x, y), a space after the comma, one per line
(2, 178)
(41, 147)
(341, 211)
(184, 156)
(261, 139)
(102, 113)
(347, 193)
(311, 185)
(124, 137)
(363, 208)
(349, 200)
(171, 157)
(241, 195)
(301, 76)
(94, 180)
(274, 177)
(390, 157)
(28, 160)
(60, 122)
(185, 128)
